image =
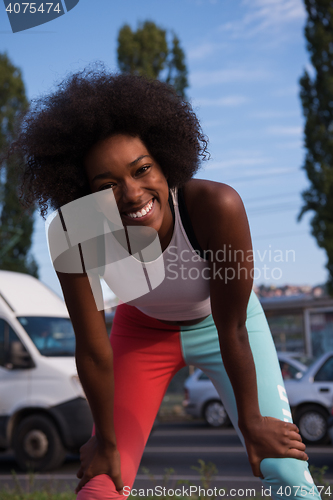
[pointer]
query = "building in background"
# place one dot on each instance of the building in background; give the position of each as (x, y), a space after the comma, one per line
(301, 320)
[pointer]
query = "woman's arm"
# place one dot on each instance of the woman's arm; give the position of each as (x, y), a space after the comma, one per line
(95, 368)
(231, 285)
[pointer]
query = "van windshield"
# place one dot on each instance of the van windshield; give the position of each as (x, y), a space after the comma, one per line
(51, 336)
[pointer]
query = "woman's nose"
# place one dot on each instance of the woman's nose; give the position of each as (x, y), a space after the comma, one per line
(132, 191)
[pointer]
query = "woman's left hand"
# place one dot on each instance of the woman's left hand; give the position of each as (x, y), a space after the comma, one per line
(269, 437)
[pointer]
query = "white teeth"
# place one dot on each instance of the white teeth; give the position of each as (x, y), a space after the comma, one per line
(142, 212)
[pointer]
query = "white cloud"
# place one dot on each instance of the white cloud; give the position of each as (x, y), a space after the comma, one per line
(291, 90)
(231, 75)
(228, 101)
(283, 130)
(203, 50)
(264, 15)
(271, 113)
(290, 145)
(261, 174)
(203, 2)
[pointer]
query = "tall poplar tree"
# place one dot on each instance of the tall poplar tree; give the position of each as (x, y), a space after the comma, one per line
(16, 225)
(147, 52)
(317, 100)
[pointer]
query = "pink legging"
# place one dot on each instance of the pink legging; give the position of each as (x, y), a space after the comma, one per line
(147, 354)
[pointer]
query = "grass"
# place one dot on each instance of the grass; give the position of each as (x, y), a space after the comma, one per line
(206, 474)
(206, 471)
(325, 489)
(36, 495)
(30, 492)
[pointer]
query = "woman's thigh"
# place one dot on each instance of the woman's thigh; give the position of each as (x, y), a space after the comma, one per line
(201, 348)
(146, 355)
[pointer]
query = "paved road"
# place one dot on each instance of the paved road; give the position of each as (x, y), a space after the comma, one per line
(179, 446)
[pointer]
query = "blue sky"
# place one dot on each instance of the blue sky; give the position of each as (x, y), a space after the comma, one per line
(245, 58)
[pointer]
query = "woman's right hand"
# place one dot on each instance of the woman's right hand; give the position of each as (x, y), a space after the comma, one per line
(97, 459)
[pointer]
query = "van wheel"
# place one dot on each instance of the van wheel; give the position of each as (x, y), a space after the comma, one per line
(312, 423)
(37, 444)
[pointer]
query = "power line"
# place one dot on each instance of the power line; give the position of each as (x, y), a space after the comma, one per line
(256, 177)
(279, 235)
(272, 209)
(277, 196)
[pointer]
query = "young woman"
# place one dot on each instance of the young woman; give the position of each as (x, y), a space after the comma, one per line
(139, 140)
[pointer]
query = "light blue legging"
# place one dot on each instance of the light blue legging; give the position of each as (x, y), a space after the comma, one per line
(200, 345)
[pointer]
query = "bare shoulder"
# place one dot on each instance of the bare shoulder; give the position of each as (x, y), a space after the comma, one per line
(202, 195)
(211, 205)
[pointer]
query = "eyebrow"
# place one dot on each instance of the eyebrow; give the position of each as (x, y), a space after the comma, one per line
(106, 175)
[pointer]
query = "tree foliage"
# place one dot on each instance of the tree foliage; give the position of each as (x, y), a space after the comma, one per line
(16, 224)
(317, 100)
(147, 52)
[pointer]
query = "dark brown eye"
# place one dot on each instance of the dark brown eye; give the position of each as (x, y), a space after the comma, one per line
(142, 169)
(107, 186)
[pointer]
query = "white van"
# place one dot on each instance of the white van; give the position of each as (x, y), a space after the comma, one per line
(43, 409)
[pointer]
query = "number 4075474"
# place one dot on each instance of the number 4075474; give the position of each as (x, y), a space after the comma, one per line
(32, 8)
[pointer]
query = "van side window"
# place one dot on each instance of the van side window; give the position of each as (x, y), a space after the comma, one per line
(13, 354)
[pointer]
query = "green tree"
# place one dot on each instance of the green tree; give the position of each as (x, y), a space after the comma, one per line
(16, 225)
(317, 100)
(147, 52)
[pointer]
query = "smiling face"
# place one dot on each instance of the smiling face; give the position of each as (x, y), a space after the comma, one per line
(123, 163)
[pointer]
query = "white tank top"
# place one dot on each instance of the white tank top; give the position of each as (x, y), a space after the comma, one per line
(184, 294)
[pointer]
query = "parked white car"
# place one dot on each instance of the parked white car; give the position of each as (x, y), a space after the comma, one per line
(43, 409)
(202, 399)
(311, 399)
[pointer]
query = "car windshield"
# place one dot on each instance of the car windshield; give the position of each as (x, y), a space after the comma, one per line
(51, 336)
(306, 360)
